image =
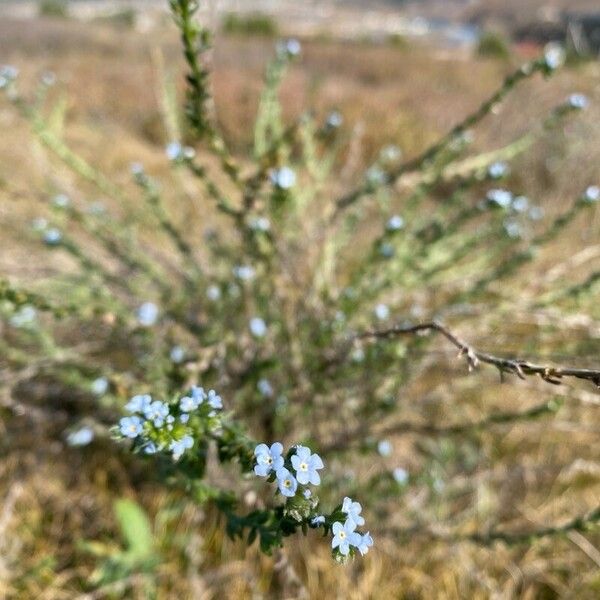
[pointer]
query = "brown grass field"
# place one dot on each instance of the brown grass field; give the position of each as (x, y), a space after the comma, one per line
(53, 498)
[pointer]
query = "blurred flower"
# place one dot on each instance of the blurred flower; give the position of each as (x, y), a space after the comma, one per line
(260, 224)
(243, 272)
(376, 176)
(192, 402)
(268, 459)
(52, 236)
(136, 168)
(214, 401)
(334, 120)
(520, 203)
(258, 327)
(353, 510)
(24, 317)
(344, 536)
(386, 250)
(395, 223)
(536, 213)
(156, 412)
(61, 201)
(366, 541)
(213, 292)
(81, 437)
(284, 178)
(382, 312)
(290, 48)
(554, 56)
(174, 151)
(578, 101)
(391, 153)
(138, 403)
(497, 170)
(286, 482)
(178, 447)
(131, 427)
(48, 78)
(384, 447)
(99, 386)
(592, 194)
(513, 229)
(499, 197)
(400, 475)
(177, 354)
(317, 520)
(265, 388)
(147, 314)
(39, 224)
(306, 466)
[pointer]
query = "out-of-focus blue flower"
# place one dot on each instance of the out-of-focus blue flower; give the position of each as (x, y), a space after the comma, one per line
(497, 170)
(52, 236)
(306, 466)
(513, 229)
(499, 197)
(317, 520)
(24, 317)
(213, 292)
(520, 204)
(554, 56)
(243, 272)
(99, 386)
(286, 482)
(178, 447)
(194, 400)
(578, 101)
(131, 427)
(174, 151)
(150, 448)
(136, 168)
(156, 412)
(345, 536)
(290, 48)
(258, 327)
(284, 178)
(334, 120)
(391, 153)
(536, 213)
(376, 176)
(184, 418)
(400, 475)
(61, 201)
(268, 459)
(358, 355)
(214, 401)
(138, 403)
(39, 224)
(366, 541)
(177, 354)
(265, 388)
(8, 74)
(353, 510)
(260, 224)
(382, 311)
(386, 250)
(592, 194)
(395, 223)
(384, 447)
(147, 314)
(81, 437)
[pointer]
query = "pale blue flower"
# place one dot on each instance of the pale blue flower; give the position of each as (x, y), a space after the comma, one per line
(192, 402)
(81, 437)
(536, 213)
(592, 194)
(131, 427)
(178, 447)
(147, 314)
(317, 520)
(258, 327)
(136, 168)
(243, 272)
(499, 197)
(384, 447)
(307, 494)
(353, 510)
(390, 153)
(344, 536)
(334, 120)
(265, 388)
(497, 170)
(268, 459)
(400, 475)
(382, 311)
(306, 466)
(173, 150)
(290, 48)
(386, 250)
(184, 418)
(395, 223)
(366, 541)
(213, 293)
(156, 412)
(520, 204)
(99, 386)
(61, 201)
(260, 224)
(177, 354)
(138, 403)
(24, 317)
(554, 56)
(52, 236)
(286, 482)
(376, 176)
(39, 224)
(214, 401)
(150, 448)
(284, 178)
(513, 229)
(578, 101)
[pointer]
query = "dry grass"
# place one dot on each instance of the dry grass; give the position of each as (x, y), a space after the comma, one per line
(52, 498)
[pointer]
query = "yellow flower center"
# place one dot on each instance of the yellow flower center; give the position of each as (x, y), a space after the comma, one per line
(269, 460)
(303, 467)
(287, 483)
(342, 534)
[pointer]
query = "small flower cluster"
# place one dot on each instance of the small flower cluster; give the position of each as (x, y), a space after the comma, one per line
(293, 473)
(159, 426)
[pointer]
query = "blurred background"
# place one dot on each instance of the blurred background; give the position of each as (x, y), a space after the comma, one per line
(400, 72)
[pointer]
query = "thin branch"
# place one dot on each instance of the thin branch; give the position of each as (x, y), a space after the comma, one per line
(521, 368)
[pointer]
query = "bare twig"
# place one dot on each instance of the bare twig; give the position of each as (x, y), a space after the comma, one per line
(521, 368)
